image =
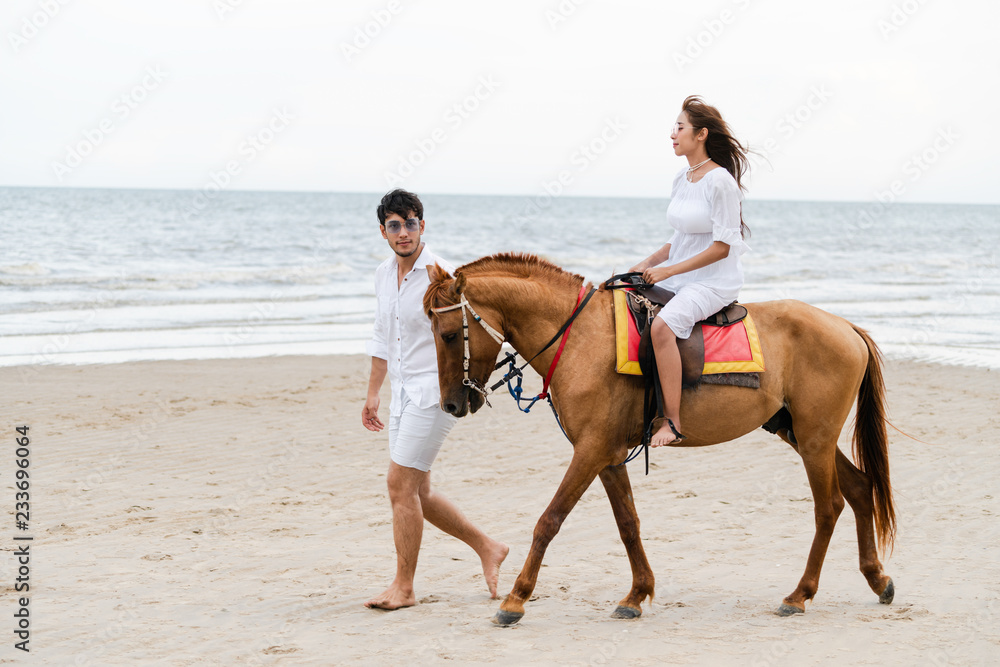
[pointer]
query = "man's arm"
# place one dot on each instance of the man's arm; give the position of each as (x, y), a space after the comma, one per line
(369, 414)
(379, 352)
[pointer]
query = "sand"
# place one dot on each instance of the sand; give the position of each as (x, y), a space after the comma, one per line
(235, 512)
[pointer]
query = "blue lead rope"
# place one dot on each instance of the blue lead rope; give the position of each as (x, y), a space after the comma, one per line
(517, 392)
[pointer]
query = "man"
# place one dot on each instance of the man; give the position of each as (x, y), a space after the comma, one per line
(403, 346)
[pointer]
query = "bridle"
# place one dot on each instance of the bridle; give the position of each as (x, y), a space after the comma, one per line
(515, 372)
(467, 308)
(496, 335)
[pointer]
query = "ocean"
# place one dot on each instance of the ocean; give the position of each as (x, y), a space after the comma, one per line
(107, 276)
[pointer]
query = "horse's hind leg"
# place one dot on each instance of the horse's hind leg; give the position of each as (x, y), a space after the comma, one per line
(616, 483)
(817, 446)
(857, 488)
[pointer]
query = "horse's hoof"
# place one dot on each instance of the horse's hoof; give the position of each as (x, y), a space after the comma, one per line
(888, 594)
(507, 618)
(626, 612)
(788, 610)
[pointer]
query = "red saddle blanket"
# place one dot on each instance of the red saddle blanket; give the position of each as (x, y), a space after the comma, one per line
(730, 349)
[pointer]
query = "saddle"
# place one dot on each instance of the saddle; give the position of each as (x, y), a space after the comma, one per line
(645, 301)
(692, 348)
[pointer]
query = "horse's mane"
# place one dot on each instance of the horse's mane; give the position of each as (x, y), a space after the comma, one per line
(516, 265)
(520, 265)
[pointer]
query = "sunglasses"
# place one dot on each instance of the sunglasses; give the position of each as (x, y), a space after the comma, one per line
(393, 226)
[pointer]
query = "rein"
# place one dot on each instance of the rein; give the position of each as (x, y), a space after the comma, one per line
(514, 371)
(581, 302)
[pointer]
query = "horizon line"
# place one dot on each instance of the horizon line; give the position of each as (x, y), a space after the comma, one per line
(477, 194)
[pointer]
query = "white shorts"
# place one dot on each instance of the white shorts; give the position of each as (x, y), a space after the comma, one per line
(416, 435)
(691, 305)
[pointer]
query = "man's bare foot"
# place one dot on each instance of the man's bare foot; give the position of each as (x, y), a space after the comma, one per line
(491, 565)
(391, 598)
(668, 434)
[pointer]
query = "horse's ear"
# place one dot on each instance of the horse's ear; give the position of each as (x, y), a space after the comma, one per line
(459, 285)
(436, 273)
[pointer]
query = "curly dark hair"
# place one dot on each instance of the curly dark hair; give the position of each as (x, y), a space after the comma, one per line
(402, 203)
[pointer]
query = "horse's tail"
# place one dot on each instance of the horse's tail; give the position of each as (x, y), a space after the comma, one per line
(871, 443)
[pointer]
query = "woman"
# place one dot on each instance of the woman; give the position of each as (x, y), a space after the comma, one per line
(701, 262)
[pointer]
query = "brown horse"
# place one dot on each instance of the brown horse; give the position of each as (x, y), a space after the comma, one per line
(818, 365)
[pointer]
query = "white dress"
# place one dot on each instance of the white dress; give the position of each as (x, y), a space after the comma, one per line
(702, 213)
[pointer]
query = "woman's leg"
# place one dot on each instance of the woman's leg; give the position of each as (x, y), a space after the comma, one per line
(676, 320)
(668, 366)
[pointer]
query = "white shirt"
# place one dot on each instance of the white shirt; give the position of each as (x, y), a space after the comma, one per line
(702, 213)
(402, 334)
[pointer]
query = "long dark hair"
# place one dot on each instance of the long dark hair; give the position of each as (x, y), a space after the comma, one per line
(721, 146)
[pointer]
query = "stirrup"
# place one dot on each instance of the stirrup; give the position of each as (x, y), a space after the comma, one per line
(678, 436)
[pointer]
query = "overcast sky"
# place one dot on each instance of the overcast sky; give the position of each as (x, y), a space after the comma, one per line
(844, 100)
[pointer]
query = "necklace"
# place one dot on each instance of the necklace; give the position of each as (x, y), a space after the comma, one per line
(695, 168)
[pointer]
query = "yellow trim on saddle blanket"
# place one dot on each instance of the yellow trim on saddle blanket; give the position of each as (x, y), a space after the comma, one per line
(623, 322)
(753, 365)
(627, 344)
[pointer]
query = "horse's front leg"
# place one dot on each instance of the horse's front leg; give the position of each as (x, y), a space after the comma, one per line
(615, 480)
(587, 462)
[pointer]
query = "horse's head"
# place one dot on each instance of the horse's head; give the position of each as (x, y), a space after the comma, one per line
(457, 397)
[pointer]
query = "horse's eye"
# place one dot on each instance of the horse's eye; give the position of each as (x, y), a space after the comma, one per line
(449, 337)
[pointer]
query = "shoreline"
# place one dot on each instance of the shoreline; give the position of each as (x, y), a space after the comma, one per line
(241, 501)
(356, 348)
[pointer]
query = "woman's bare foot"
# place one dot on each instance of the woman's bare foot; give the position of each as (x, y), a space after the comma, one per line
(394, 597)
(491, 565)
(667, 434)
